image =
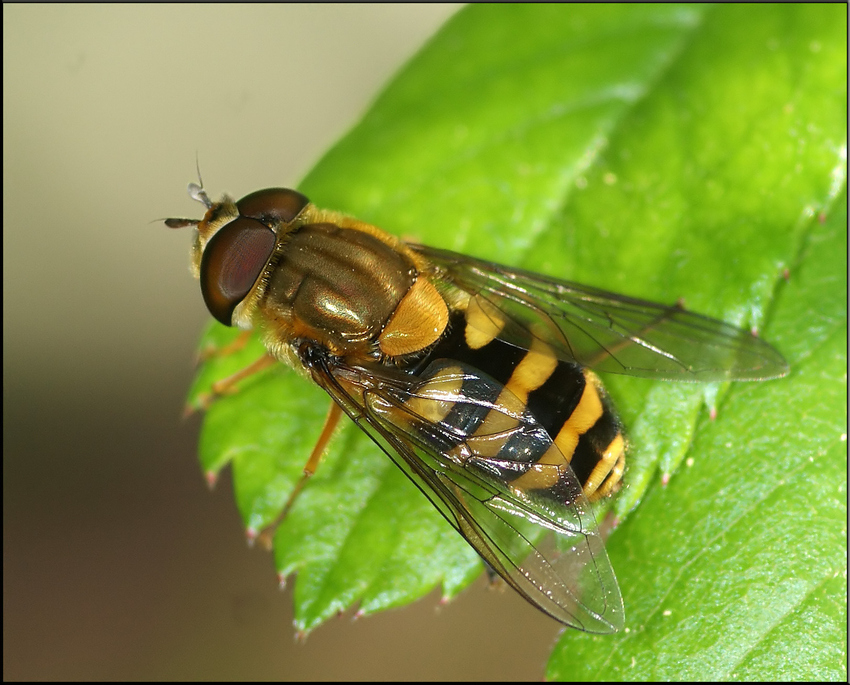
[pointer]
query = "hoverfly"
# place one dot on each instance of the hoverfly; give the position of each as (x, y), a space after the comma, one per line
(474, 378)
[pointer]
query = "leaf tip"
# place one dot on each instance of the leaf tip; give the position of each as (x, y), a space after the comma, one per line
(188, 410)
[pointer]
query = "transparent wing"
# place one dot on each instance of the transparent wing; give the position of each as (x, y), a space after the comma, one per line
(606, 331)
(569, 577)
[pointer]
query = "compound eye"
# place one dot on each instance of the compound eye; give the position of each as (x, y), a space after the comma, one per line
(272, 205)
(232, 262)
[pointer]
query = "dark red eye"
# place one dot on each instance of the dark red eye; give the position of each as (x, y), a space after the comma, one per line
(272, 205)
(232, 262)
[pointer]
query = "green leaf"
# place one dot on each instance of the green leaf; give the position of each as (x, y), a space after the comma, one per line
(661, 151)
(748, 547)
(737, 570)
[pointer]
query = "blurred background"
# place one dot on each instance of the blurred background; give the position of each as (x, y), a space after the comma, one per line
(118, 562)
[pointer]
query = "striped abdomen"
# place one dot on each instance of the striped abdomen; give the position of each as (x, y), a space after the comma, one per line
(567, 401)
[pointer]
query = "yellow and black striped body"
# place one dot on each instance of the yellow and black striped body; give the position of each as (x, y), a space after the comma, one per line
(566, 400)
(366, 298)
(473, 377)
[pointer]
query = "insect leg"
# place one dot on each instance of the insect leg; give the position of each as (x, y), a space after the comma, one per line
(226, 385)
(331, 421)
(210, 352)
